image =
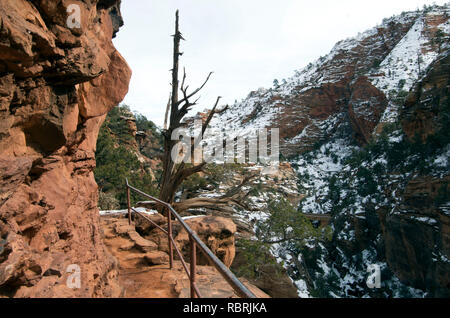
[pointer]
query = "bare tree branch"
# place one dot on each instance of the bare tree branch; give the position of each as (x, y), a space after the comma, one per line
(232, 192)
(195, 92)
(188, 172)
(211, 115)
(174, 175)
(167, 112)
(176, 55)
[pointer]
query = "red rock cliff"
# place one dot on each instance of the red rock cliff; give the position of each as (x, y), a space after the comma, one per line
(56, 86)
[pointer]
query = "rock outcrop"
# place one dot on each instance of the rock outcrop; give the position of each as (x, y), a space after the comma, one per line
(427, 104)
(120, 130)
(418, 242)
(143, 264)
(271, 278)
(56, 85)
(217, 233)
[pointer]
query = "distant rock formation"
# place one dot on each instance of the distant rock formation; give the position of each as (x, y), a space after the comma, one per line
(414, 239)
(356, 83)
(56, 86)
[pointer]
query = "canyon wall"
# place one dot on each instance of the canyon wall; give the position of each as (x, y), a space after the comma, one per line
(366, 128)
(57, 84)
(418, 251)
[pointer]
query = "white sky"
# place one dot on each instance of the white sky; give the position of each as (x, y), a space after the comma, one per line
(247, 43)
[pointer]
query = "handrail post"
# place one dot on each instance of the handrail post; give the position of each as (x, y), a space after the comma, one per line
(193, 265)
(129, 204)
(169, 234)
(240, 289)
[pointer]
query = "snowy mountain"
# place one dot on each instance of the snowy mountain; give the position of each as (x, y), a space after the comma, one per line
(376, 64)
(366, 128)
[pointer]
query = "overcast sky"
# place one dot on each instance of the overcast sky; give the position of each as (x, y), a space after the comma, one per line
(247, 43)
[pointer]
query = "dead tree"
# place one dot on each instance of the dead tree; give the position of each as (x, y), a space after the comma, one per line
(174, 174)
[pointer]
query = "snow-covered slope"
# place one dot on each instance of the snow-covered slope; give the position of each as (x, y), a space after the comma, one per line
(310, 105)
(347, 124)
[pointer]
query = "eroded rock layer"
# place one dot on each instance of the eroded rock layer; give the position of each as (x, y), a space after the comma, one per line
(56, 85)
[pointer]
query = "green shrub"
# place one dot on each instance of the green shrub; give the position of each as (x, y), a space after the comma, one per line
(115, 162)
(194, 183)
(107, 201)
(256, 255)
(367, 184)
(376, 63)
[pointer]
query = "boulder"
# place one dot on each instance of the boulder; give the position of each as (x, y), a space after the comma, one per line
(156, 258)
(144, 227)
(216, 232)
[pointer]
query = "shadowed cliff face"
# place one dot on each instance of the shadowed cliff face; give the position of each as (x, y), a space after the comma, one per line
(418, 252)
(56, 86)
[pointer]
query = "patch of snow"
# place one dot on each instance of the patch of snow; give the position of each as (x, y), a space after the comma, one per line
(192, 217)
(140, 210)
(302, 289)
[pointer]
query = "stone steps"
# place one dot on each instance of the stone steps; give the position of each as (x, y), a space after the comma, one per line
(144, 270)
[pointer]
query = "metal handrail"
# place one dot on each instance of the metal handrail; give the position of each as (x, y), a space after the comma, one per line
(241, 290)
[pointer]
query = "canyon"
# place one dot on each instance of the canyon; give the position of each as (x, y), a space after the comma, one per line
(365, 153)
(365, 129)
(56, 86)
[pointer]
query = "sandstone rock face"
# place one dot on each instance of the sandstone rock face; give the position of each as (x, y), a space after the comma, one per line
(418, 242)
(216, 232)
(56, 86)
(150, 146)
(366, 106)
(272, 279)
(146, 274)
(423, 112)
